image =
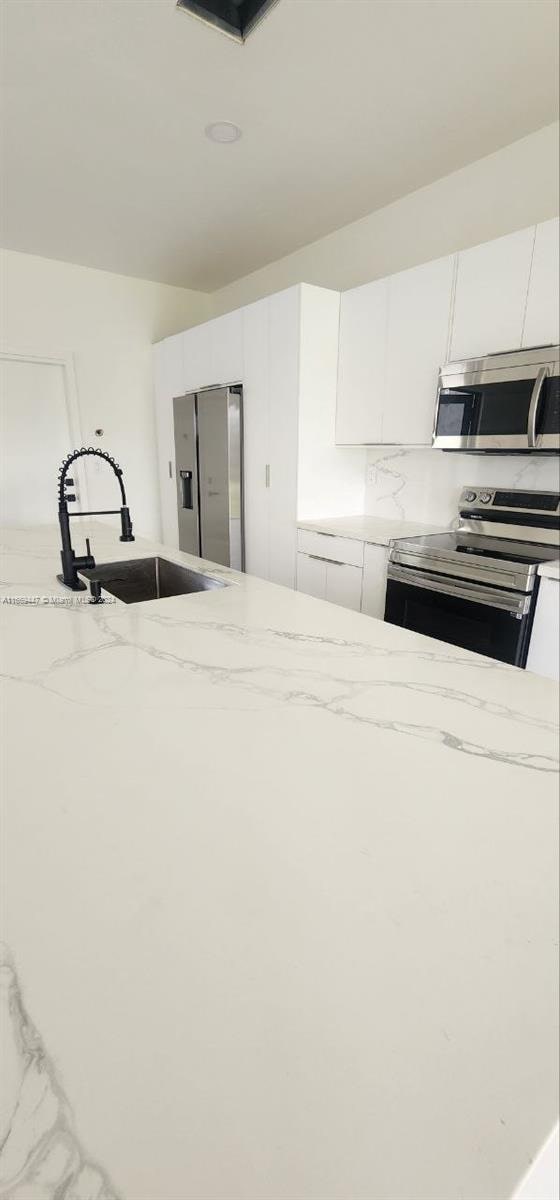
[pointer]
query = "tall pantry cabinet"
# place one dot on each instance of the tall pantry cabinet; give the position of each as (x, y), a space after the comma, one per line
(284, 350)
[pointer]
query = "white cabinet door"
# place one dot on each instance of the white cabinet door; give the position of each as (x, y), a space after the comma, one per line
(542, 318)
(226, 338)
(544, 647)
(169, 382)
(375, 581)
(327, 545)
(417, 340)
(344, 585)
(283, 389)
(256, 437)
(197, 355)
(361, 364)
(213, 353)
(490, 295)
(312, 576)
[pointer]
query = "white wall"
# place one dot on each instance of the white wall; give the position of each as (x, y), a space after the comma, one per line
(508, 190)
(108, 324)
(424, 484)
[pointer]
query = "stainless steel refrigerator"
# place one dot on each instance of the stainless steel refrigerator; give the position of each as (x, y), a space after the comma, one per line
(209, 473)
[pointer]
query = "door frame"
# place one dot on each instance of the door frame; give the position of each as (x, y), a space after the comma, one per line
(66, 361)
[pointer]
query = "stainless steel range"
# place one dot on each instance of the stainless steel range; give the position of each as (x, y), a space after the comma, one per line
(477, 585)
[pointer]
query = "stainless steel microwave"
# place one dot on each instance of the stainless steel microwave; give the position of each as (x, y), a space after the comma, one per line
(503, 403)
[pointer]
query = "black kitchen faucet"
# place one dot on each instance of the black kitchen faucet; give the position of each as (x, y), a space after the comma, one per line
(70, 562)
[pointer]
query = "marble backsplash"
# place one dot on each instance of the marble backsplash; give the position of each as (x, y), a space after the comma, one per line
(421, 484)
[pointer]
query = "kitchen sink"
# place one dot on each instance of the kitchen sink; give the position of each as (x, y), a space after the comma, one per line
(140, 579)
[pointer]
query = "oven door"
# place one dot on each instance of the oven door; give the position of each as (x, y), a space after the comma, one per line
(496, 410)
(488, 620)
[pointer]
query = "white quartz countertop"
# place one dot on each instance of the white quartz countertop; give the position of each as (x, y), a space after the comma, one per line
(281, 898)
(550, 570)
(380, 531)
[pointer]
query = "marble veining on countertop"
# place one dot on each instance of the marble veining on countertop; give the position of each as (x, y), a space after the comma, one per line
(380, 531)
(282, 896)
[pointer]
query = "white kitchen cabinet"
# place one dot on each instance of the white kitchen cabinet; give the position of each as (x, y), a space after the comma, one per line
(169, 382)
(362, 361)
(256, 438)
(328, 545)
(344, 585)
(418, 329)
(326, 579)
(213, 353)
(276, 349)
(284, 405)
(544, 647)
(490, 295)
(197, 359)
(226, 348)
(312, 576)
(374, 583)
(542, 317)
(394, 336)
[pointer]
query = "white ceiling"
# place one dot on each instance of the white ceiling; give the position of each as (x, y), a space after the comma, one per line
(344, 104)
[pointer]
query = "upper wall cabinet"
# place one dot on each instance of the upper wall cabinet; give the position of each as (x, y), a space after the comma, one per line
(394, 335)
(196, 358)
(542, 318)
(226, 337)
(213, 353)
(417, 342)
(362, 358)
(490, 296)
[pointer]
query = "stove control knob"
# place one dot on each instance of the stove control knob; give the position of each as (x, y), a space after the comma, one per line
(485, 497)
(470, 496)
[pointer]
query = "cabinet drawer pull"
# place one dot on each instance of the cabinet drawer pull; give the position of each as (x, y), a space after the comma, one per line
(334, 561)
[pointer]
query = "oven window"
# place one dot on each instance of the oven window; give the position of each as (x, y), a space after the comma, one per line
(452, 619)
(466, 628)
(485, 409)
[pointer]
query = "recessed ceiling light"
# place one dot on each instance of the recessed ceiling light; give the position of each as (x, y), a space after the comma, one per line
(237, 18)
(223, 131)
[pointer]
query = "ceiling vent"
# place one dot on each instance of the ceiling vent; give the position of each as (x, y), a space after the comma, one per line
(237, 18)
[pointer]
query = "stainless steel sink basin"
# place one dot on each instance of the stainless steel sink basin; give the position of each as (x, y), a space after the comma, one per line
(139, 579)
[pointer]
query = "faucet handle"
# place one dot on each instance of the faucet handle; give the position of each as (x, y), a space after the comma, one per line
(88, 548)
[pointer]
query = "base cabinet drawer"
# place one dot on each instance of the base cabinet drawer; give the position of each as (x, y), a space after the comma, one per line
(327, 545)
(327, 580)
(375, 581)
(344, 585)
(312, 576)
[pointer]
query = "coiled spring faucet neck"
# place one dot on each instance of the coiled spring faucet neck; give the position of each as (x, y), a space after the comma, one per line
(70, 562)
(85, 450)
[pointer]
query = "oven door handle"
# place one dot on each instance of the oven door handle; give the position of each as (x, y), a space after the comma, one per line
(534, 407)
(477, 593)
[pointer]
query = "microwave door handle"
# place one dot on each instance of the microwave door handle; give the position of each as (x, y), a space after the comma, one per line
(534, 407)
